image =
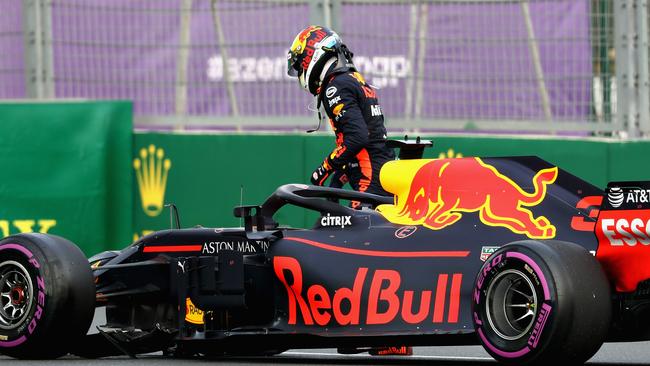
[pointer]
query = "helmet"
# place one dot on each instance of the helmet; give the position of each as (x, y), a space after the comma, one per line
(311, 50)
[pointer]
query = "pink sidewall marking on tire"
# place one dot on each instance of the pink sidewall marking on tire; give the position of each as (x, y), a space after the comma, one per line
(30, 255)
(13, 343)
(19, 248)
(499, 352)
(535, 267)
(516, 354)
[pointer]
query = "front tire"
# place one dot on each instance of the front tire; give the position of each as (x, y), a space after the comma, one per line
(47, 296)
(537, 302)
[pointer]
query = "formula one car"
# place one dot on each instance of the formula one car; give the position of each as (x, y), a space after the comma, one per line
(513, 253)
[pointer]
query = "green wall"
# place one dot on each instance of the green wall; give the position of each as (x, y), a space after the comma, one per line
(65, 169)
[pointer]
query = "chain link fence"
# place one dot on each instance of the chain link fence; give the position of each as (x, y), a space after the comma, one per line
(12, 71)
(515, 65)
(168, 56)
(480, 60)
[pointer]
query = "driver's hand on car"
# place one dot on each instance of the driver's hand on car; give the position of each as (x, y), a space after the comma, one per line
(319, 176)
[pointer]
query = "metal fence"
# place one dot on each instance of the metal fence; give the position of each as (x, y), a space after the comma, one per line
(12, 72)
(558, 66)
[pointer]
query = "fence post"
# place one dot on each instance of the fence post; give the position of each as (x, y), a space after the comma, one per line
(33, 49)
(537, 63)
(316, 12)
(410, 57)
(47, 44)
(422, 49)
(603, 56)
(37, 35)
(335, 14)
(221, 39)
(325, 13)
(643, 82)
(183, 58)
(625, 66)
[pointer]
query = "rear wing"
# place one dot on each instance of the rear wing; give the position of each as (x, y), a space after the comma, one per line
(623, 232)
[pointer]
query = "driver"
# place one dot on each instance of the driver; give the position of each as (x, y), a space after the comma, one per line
(324, 68)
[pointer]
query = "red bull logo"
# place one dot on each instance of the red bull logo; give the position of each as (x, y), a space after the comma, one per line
(302, 37)
(302, 43)
(440, 191)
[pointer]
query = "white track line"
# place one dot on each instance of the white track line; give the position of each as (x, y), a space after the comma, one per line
(413, 357)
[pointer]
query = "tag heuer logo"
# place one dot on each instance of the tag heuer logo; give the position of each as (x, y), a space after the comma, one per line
(615, 196)
(486, 252)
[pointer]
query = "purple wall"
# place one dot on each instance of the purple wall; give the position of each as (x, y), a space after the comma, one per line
(477, 62)
(12, 75)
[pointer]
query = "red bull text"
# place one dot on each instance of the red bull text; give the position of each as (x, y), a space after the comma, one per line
(387, 300)
(302, 43)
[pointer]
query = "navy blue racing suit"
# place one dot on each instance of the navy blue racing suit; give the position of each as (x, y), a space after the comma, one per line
(358, 122)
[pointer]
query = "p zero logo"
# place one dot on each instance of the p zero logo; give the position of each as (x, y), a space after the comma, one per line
(624, 246)
(387, 300)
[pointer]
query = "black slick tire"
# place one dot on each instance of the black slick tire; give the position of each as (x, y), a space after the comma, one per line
(538, 302)
(47, 296)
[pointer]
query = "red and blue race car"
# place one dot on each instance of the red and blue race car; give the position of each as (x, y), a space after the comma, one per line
(513, 253)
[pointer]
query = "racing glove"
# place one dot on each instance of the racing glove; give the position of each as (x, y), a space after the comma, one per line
(319, 176)
(339, 178)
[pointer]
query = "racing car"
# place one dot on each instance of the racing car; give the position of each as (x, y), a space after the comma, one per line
(512, 253)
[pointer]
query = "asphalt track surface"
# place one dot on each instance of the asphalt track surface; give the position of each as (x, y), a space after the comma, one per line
(610, 354)
(637, 353)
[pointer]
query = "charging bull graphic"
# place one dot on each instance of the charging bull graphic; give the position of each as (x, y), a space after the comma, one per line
(440, 190)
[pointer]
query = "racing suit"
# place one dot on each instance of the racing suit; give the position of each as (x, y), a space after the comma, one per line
(358, 122)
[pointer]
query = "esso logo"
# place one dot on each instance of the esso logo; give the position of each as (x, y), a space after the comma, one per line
(623, 231)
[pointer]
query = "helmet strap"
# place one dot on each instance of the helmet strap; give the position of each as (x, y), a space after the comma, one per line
(326, 68)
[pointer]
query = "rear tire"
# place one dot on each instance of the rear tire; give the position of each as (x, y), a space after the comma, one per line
(47, 296)
(538, 302)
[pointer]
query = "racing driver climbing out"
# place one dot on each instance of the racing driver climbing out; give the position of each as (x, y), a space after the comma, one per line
(323, 65)
(324, 68)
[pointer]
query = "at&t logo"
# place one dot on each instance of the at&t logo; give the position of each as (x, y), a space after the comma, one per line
(615, 196)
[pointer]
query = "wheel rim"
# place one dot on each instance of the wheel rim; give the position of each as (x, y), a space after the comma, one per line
(16, 294)
(511, 305)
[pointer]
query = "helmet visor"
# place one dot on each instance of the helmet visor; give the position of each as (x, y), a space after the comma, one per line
(293, 69)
